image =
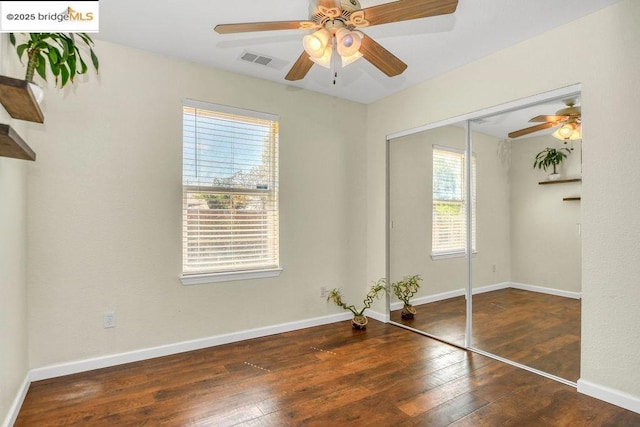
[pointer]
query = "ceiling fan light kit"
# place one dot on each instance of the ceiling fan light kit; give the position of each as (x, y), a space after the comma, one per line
(335, 23)
(315, 44)
(570, 131)
(321, 46)
(348, 42)
(569, 119)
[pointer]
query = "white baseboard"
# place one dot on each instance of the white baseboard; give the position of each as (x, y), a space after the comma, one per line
(380, 317)
(615, 397)
(180, 347)
(397, 305)
(14, 409)
(491, 288)
(429, 298)
(543, 290)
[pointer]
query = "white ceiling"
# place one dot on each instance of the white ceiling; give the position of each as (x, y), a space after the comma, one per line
(430, 46)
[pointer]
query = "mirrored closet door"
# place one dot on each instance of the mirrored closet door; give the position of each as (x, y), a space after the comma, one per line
(523, 275)
(427, 231)
(527, 269)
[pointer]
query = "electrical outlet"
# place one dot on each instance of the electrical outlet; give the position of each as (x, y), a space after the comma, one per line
(323, 292)
(494, 268)
(109, 319)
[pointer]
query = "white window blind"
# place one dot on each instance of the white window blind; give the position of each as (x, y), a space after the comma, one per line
(449, 229)
(230, 189)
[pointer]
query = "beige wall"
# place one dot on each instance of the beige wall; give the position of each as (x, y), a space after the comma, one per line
(493, 234)
(13, 260)
(606, 60)
(13, 279)
(105, 210)
(545, 234)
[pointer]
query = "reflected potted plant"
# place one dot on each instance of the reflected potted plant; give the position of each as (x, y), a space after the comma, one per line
(359, 320)
(405, 289)
(551, 157)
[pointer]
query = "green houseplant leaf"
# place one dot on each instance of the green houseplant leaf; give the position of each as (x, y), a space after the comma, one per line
(550, 157)
(63, 52)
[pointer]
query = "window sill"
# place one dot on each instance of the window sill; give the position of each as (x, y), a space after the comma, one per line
(199, 279)
(448, 255)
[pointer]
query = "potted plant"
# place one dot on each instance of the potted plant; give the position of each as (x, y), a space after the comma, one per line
(404, 290)
(359, 320)
(550, 157)
(60, 51)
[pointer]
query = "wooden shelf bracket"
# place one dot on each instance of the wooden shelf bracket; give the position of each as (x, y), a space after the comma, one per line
(18, 100)
(12, 145)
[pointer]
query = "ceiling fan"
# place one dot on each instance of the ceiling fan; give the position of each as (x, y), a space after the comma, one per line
(569, 120)
(336, 36)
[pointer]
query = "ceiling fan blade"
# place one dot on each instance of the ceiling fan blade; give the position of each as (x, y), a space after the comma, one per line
(404, 10)
(532, 129)
(260, 26)
(548, 118)
(381, 58)
(300, 68)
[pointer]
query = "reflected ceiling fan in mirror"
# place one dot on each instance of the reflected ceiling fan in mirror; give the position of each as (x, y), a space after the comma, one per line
(569, 119)
(336, 38)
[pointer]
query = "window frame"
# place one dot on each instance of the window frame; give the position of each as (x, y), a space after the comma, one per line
(456, 252)
(231, 274)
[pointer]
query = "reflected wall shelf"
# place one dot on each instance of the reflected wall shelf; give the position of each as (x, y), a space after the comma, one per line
(12, 145)
(18, 100)
(560, 181)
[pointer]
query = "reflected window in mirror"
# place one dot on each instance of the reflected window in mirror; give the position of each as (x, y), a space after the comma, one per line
(449, 226)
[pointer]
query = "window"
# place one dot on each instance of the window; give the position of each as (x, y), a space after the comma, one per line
(449, 229)
(230, 192)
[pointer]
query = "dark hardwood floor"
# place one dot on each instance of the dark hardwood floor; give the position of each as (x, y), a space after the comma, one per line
(538, 330)
(444, 319)
(326, 375)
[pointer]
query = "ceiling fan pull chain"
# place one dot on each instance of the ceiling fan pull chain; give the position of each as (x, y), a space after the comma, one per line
(334, 59)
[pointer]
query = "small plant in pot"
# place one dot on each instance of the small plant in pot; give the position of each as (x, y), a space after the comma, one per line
(62, 52)
(551, 157)
(405, 289)
(359, 320)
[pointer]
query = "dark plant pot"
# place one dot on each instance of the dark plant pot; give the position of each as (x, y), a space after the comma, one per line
(359, 322)
(408, 312)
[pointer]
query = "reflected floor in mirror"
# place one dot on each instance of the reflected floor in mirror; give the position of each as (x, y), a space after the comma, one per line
(538, 330)
(444, 319)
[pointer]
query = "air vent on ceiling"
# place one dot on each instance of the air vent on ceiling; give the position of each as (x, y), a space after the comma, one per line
(263, 60)
(260, 59)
